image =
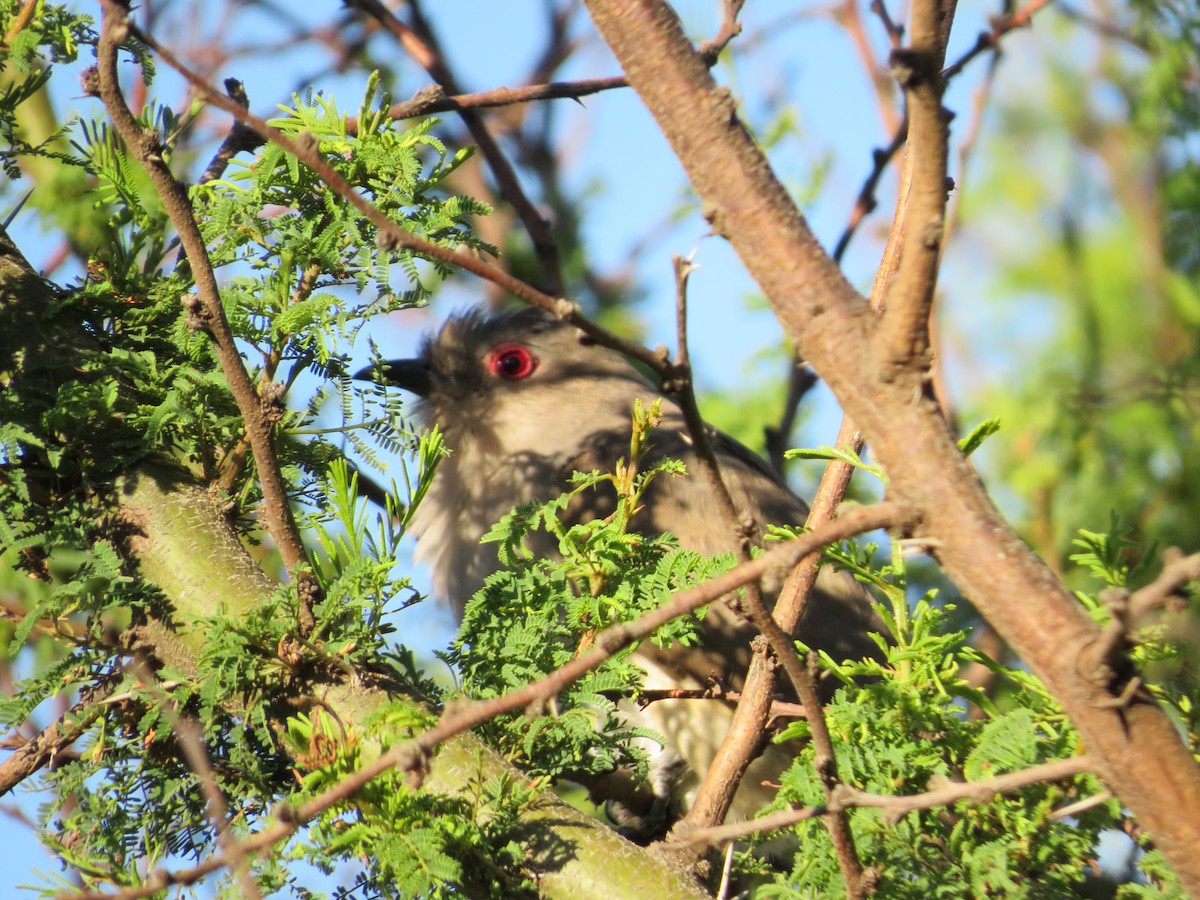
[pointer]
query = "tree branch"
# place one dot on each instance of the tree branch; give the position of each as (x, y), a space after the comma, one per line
(430, 100)
(40, 750)
(989, 40)
(898, 805)
(259, 410)
(1138, 752)
(422, 46)
(903, 337)
(1177, 572)
(240, 138)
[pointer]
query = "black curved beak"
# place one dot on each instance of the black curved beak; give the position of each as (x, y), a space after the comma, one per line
(410, 374)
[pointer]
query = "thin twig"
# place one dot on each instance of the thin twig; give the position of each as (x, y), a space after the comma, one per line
(241, 138)
(895, 32)
(742, 740)
(988, 40)
(682, 387)
(865, 202)
(191, 745)
(42, 749)
(419, 41)
(982, 791)
(1176, 573)
(835, 480)
(1103, 28)
(1105, 661)
(430, 99)
(1080, 806)
(752, 714)
(903, 338)
(194, 751)
(848, 16)
(837, 821)
(726, 873)
(801, 380)
(729, 28)
(780, 709)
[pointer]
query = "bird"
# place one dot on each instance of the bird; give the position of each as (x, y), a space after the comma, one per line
(523, 400)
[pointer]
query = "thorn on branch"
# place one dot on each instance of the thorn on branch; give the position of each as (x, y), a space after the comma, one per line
(90, 81)
(308, 592)
(730, 28)
(285, 814)
(914, 68)
(241, 136)
(1168, 588)
(197, 317)
(270, 394)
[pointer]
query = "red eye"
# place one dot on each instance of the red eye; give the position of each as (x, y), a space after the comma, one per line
(512, 362)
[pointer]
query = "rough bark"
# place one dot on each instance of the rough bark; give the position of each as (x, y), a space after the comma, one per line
(1142, 758)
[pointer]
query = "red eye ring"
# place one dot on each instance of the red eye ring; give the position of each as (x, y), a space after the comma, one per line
(511, 361)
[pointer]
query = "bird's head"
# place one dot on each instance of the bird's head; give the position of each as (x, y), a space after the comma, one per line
(519, 377)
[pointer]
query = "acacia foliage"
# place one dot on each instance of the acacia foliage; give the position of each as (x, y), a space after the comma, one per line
(142, 386)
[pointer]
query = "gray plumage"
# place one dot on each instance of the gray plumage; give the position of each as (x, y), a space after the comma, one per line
(523, 401)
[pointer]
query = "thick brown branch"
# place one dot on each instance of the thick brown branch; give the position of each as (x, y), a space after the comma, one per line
(1138, 753)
